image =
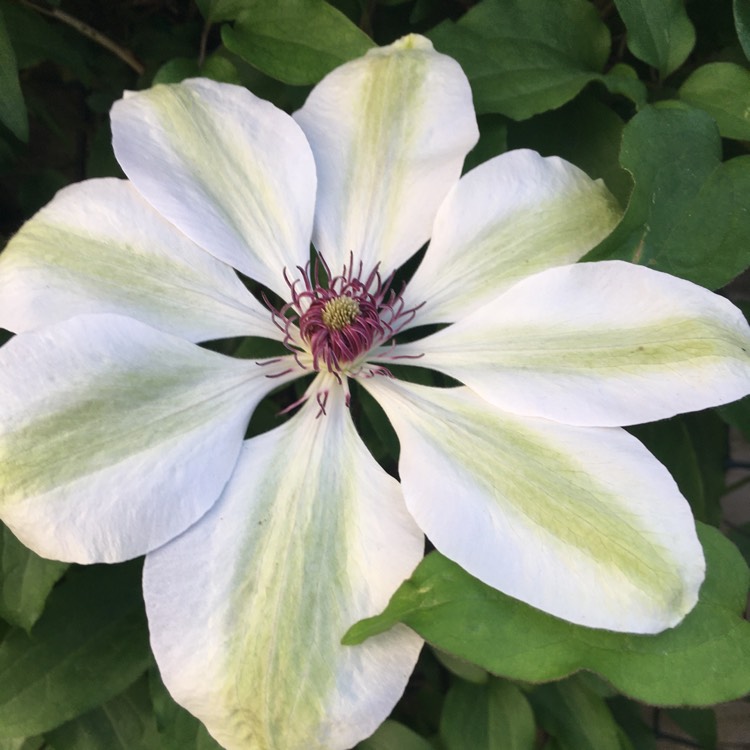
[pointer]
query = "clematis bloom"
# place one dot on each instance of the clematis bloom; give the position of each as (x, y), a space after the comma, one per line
(120, 437)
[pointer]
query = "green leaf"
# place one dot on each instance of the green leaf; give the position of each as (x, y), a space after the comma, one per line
(576, 716)
(586, 133)
(177, 69)
(125, 722)
(25, 580)
(740, 535)
(394, 736)
(225, 10)
(100, 158)
(699, 723)
(694, 447)
(723, 90)
(524, 57)
(36, 40)
(295, 41)
(737, 415)
(23, 743)
(178, 729)
(659, 32)
(462, 616)
(494, 716)
(34, 193)
(742, 23)
(205, 6)
(493, 140)
(12, 106)
(688, 211)
(622, 79)
(630, 717)
(219, 68)
(88, 646)
(463, 669)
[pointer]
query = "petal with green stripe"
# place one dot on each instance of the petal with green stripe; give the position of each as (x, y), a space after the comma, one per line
(231, 171)
(582, 523)
(389, 132)
(598, 344)
(98, 247)
(115, 437)
(247, 609)
(511, 217)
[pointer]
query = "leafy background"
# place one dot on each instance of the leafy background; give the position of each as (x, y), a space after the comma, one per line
(653, 96)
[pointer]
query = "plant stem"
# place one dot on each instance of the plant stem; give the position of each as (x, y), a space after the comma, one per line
(90, 32)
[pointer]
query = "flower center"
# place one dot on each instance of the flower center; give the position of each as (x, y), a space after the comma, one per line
(333, 322)
(339, 312)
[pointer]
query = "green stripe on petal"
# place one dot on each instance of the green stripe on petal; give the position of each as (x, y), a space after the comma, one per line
(511, 217)
(231, 171)
(98, 247)
(598, 344)
(248, 608)
(115, 437)
(389, 133)
(581, 522)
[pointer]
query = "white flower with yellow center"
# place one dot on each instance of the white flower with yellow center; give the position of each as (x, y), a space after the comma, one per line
(120, 437)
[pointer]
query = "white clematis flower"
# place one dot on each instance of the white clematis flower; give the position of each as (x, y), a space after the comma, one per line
(120, 437)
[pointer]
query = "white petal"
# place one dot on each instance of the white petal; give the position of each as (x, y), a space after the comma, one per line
(582, 523)
(232, 171)
(115, 437)
(599, 344)
(247, 609)
(389, 132)
(98, 247)
(511, 217)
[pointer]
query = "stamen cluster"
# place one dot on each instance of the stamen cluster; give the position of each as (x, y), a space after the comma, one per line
(337, 320)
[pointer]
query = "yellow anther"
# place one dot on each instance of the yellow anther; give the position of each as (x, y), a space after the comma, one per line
(340, 312)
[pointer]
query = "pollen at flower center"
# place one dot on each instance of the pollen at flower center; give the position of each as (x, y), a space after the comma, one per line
(333, 322)
(340, 312)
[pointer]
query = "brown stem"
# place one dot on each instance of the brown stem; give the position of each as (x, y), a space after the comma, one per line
(91, 33)
(204, 42)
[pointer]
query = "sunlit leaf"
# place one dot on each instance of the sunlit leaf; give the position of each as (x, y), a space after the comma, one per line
(526, 56)
(688, 211)
(295, 41)
(723, 90)
(460, 615)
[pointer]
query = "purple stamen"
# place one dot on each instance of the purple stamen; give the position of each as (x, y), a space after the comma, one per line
(338, 321)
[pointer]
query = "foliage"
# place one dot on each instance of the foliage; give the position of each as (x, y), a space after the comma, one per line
(653, 96)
